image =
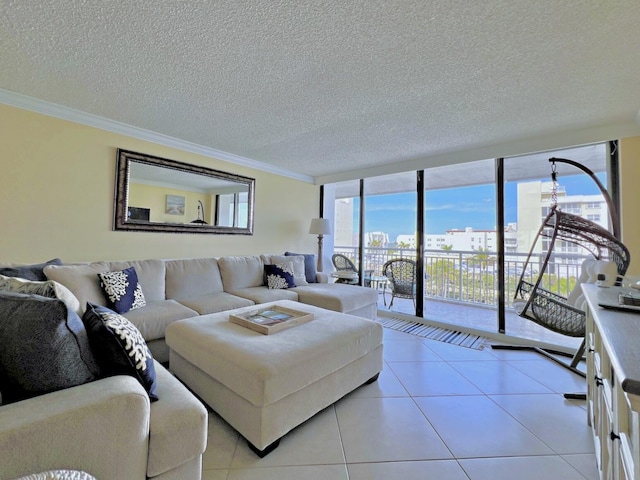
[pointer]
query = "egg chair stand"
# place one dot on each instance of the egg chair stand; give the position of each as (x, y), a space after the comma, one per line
(548, 309)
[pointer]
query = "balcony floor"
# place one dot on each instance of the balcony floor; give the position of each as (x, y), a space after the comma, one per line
(479, 318)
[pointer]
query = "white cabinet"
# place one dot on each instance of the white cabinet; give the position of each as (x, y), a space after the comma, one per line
(613, 386)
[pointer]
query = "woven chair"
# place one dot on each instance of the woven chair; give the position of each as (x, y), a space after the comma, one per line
(550, 310)
(401, 273)
(343, 264)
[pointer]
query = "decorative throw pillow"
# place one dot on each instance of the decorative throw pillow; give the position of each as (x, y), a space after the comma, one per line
(29, 272)
(279, 276)
(45, 347)
(59, 475)
(119, 347)
(309, 265)
(49, 289)
(122, 290)
(299, 276)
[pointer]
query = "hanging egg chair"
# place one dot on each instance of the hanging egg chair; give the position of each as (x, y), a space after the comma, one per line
(551, 310)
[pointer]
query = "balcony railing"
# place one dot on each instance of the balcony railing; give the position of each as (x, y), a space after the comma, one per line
(471, 276)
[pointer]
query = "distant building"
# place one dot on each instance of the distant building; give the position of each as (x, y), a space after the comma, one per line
(533, 200)
(408, 241)
(343, 224)
(376, 239)
(470, 239)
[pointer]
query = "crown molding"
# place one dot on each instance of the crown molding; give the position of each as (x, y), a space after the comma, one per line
(43, 107)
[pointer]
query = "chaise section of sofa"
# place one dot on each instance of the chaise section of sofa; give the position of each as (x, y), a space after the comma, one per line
(339, 297)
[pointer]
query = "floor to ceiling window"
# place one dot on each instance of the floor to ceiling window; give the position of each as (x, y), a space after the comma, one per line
(472, 225)
(461, 244)
(346, 228)
(390, 219)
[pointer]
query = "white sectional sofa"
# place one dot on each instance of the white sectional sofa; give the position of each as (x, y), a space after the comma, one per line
(109, 427)
(183, 288)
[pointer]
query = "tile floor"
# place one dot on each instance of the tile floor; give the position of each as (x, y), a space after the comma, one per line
(438, 411)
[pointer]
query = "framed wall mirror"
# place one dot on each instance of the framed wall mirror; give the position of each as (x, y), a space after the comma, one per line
(156, 194)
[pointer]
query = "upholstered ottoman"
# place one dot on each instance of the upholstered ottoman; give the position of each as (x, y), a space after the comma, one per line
(265, 385)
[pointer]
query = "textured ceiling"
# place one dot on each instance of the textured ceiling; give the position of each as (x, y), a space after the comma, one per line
(323, 88)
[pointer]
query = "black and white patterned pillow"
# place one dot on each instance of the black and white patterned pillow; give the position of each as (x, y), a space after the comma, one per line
(122, 290)
(59, 475)
(119, 347)
(279, 275)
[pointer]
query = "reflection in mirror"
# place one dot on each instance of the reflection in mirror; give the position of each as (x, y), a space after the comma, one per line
(157, 194)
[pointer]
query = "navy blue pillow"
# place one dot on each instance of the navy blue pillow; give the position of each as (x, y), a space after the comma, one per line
(119, 347)
(30, 272)
(122, 290)
(309, 265)
(279, 276)
(44, 347)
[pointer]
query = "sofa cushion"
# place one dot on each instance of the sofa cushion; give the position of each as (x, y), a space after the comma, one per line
(177, 427)
(122, 290)
(119, 347)
(47, 288)
(215, 302)
(151, 275)
(28, 272)
(241, 272)
(152, 320)
(279, 275)
(44, 347)
(263, 295)
(191, 278)
(337, 296)
(81, 279)
(309, 265)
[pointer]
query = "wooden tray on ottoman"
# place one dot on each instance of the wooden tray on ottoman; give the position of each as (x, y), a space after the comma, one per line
(271, 320)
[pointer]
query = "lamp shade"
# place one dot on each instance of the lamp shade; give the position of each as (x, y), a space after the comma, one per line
(320, 226)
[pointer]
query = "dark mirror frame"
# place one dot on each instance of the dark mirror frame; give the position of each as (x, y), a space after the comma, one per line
(121, 201)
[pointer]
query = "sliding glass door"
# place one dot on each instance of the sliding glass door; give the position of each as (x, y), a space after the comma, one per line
(390, 219)
(529, 193)
(460, 244)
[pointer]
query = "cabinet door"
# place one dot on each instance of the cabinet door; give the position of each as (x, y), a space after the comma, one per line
(607, 442)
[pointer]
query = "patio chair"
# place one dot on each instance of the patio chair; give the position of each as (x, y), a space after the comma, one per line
(401, 273)
(343, 264)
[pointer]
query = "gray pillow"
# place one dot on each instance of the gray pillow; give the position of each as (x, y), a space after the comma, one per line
(44, 347)
(30, 272)
(309, 265)
(49, 288)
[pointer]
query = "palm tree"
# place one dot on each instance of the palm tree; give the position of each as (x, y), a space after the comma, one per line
(483, 260)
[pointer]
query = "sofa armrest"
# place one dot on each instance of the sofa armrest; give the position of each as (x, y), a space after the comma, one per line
(322, 277)
(101, 428)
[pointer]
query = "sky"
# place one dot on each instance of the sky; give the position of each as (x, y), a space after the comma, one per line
(455, 208)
